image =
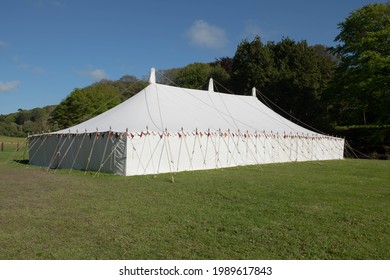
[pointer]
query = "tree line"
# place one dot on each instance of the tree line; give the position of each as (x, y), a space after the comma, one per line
(322, 87)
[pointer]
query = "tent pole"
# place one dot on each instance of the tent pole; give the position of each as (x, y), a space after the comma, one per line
(90, 153)
(78, 151)
(151, 159)
(110, 155)
(149, 135)
(22, 157)
(188, 151)
(180, 146)
(142, 149)
(166, 150)
(104, 153)
(24, 152)
(56, 151)
(197, 136)
(66, 152)
(40, 146)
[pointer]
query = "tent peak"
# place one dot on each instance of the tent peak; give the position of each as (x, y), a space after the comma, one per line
(152, 77)
(211, 85)
(254, 92)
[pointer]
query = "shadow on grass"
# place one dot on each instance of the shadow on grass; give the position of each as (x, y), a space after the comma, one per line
(22, 161)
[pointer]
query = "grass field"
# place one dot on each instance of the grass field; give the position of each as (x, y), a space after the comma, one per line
(10, 144)
(310, 210)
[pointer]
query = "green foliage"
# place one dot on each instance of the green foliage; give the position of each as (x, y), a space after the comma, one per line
(127, 86)
(80, 105)
(85, 103)
(361, 89)
(226, 63)
(296, 74)
(25, 121)
(253, 66)
(168, 76)
(291, 74)
(194, 75)
(197, 75)
(368, 140)
(10, 129)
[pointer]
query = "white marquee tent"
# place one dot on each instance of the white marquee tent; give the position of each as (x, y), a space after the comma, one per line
(169, 129)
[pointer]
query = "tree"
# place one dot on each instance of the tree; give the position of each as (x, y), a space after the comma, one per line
(293, 75)
(127, 85)
(22, 116)
(226, 63)
(197, 75)
(193, 76)
(83, 104)
(252, 66)
(363, 76)
(168, 76)
(302, 74)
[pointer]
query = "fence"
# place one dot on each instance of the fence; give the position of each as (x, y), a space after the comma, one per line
(9, 146)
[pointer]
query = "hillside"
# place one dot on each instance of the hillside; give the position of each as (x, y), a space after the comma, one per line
(23, 122)
(95, 99)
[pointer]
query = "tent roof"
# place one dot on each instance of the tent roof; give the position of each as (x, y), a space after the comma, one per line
(159, 107)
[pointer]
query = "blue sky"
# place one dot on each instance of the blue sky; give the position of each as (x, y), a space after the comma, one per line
(50, 47)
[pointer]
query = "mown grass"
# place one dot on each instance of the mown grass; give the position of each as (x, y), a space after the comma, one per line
(311, 210)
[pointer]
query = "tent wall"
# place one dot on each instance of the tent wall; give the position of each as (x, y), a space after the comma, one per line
(96, 152)
(157, 152)
(152, 153)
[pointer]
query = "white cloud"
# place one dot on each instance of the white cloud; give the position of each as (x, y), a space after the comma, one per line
(206, 35)
(47, 3)
(31, 68)
(95, 74)
(58, 4)
(9, 86)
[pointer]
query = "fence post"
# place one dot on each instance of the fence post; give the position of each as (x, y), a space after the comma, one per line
(17, 147)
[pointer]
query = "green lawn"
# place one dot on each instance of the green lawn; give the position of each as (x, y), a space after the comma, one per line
(311, 210)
